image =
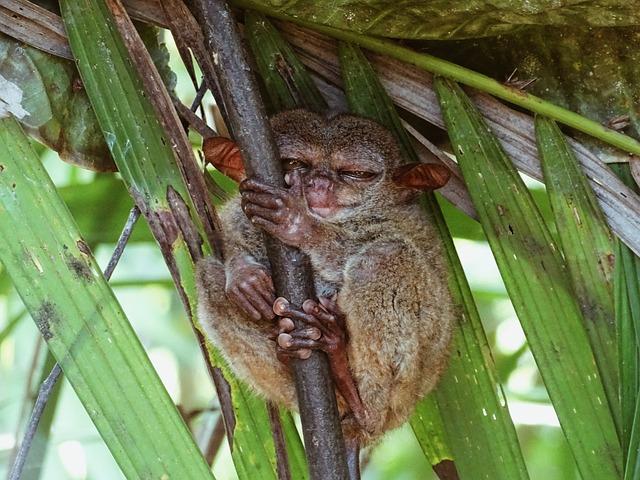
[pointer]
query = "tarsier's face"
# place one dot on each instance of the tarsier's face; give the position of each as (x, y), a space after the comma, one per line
(340, 163)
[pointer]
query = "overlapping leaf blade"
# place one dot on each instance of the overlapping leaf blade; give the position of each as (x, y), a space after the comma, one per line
(444, 19)
(146, 161)
(477, 426)
(588, 245)
(627, 309)
(538, 284)
(85, 328)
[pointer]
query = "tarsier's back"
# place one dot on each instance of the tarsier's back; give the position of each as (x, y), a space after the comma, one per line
(384, 313)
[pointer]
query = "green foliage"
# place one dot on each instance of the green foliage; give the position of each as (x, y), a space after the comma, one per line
(536, 279)
(83, 324)
(587, 244)
(470, 417)
(146, 161)
(444, 19)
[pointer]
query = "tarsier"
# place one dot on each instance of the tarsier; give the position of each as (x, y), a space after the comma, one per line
(383, 313)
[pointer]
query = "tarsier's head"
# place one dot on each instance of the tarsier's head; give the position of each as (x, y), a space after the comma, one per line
(348, 165)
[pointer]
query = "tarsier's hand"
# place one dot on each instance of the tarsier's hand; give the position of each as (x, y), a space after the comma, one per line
(321, 326)
(249, 286)
(282, 213)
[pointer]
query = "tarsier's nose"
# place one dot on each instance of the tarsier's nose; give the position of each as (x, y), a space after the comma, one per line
(319, 182)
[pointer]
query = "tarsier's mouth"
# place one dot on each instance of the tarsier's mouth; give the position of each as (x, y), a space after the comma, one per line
(322, 211)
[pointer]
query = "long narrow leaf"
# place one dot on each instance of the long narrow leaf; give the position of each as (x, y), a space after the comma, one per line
(287, 83)
(627, 308)
(148, 166)
(587, 244)
(538, 284)
(460, 74)
(478, 428)
(85, 327)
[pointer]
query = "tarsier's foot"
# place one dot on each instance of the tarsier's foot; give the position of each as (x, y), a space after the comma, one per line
(321, 326)
(250, 287)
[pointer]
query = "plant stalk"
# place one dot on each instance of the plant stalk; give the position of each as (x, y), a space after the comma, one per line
(291, 273)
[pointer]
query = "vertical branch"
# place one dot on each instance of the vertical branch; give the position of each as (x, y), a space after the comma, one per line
(291, 272)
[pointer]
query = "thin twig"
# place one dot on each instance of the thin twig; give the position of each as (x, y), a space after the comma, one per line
(215, 441)
(38, 409)
(197, 102)
(47, 386)
(134, 214)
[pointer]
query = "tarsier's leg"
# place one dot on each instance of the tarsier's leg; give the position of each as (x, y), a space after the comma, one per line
(321, 328)
(243, 341)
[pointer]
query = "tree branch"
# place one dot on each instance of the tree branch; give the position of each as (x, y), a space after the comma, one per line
(291, 272)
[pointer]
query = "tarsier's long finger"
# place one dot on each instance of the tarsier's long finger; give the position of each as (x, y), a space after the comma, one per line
(266, 278)
(329, 303)
(268, 295)
(252, 294)
(284, 325)
(253, 185)
(265, 200)
(295, 182)
(266, 225)
(289, 342)
(241, 301)
(286, 355)
(312, 307)
(252, 211)
(282, 308)
(309, 332)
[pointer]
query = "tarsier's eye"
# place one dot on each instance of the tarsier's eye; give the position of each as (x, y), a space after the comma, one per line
(358, 174)
(293, 164)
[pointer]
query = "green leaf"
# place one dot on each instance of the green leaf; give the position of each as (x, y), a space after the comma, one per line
(443, 19)
(599, 82)
(286, 80)
(471, 407)
(83, 324)
(462, 75)
(627, 308)
(537, 281)
(100, 208)
(59, 113)
(587, 244)
(148, 167)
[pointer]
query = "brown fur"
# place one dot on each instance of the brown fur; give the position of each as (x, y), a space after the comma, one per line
(384, 259)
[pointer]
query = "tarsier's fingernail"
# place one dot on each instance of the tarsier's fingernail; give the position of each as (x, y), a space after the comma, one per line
(309, 305)
(286, 324)
(284, 340)
(304, 353)
(314, 333)
(280, 305)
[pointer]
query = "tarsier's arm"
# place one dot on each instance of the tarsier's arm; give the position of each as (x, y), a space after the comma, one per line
(284, 214)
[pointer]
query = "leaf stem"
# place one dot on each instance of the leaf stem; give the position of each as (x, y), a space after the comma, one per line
(462, 75)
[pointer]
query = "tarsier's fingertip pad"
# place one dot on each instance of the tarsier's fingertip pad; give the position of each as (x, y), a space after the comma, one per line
(285, 324)
(422, 176)
(280, 305)
(284, 340)
(309, 305)
(304, 353)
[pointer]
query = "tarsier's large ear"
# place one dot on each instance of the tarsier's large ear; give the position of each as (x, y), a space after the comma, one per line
(224, 154)
(422, 176)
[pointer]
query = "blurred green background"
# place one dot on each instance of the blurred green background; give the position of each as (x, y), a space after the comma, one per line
(143, 286)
